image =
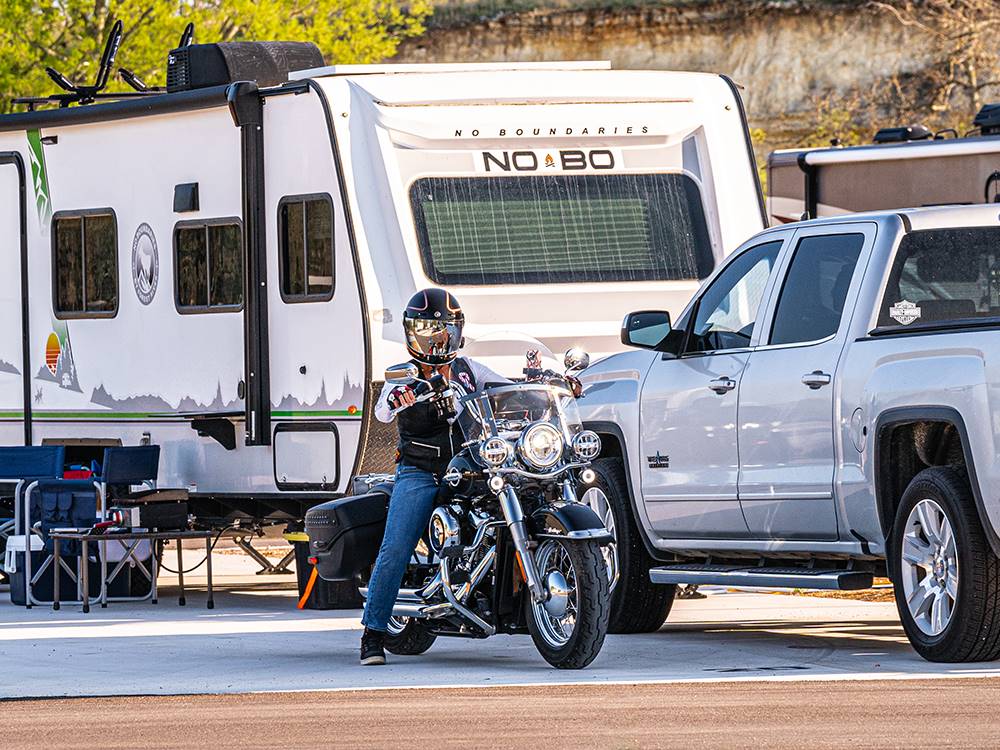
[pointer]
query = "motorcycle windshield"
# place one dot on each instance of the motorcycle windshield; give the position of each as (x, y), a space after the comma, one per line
(506, 411)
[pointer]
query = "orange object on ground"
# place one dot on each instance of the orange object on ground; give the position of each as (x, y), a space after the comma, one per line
(309, 588)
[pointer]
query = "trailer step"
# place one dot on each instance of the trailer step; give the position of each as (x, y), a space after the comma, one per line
(793, 578)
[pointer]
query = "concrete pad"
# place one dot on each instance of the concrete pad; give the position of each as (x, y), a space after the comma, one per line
(257, 641)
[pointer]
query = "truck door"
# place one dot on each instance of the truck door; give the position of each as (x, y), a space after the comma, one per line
(787, 417)
(690, 461)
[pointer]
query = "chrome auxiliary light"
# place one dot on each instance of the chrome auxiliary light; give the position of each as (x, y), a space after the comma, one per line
(587, 445)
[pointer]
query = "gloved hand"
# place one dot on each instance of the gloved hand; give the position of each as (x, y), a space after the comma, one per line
(574, 385)
(401, 397)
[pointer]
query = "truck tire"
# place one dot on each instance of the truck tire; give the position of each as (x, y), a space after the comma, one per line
(946, 576)
(637, 604)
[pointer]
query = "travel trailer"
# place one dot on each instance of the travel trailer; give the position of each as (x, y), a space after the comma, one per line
(906, 167)
(219, 268)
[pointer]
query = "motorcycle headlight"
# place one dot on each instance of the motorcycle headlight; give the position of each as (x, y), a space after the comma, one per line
(587, 445)
(541, 445)
(495, 451)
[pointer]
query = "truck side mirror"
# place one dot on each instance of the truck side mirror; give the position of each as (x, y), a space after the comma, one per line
(403, 374)
(576, 359)
(648, 329)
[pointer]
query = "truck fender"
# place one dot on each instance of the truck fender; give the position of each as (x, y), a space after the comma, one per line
(569, 521)
(905, 414)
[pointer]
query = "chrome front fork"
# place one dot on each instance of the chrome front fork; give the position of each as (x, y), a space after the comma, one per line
(514, 516)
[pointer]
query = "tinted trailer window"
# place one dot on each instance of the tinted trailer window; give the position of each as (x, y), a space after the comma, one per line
(561, 229)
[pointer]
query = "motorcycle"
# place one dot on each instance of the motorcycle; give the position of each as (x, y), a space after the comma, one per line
(509, 548)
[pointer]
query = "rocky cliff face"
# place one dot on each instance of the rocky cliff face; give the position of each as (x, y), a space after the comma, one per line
(785, 53)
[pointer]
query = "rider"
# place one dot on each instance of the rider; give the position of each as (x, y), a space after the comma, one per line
(433, 323)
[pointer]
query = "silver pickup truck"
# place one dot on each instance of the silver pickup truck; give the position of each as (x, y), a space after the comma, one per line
(826, 410)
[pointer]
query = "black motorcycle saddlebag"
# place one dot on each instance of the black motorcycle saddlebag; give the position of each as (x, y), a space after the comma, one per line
(345, 534)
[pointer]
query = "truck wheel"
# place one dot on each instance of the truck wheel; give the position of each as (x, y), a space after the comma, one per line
(946, 577)
(407, 637)
(637, 604)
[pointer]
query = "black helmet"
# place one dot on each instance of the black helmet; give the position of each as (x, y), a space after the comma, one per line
(433, 323)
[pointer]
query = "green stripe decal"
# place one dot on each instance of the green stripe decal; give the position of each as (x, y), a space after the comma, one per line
(40, 179)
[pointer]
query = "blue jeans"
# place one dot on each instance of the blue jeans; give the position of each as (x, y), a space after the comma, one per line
(410, 509)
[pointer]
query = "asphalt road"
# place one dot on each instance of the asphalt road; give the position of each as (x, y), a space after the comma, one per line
(777, 714)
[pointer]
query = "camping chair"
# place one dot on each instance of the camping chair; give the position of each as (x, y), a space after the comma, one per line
(19, 466)
(121, 470)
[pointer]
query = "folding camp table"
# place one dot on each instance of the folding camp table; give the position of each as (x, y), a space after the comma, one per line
(135, 537)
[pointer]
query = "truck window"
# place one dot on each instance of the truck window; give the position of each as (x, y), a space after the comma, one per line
(305, 246)
(208, 258)
(943, 276)
(553, 229)
(85, 264)
(815, 289)
(727, 310)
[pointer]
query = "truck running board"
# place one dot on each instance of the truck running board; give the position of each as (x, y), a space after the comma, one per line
(793, 578)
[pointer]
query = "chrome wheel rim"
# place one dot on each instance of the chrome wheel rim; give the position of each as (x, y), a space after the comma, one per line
(396, 625)
(552, 557)
(599, 503)
(929, 567)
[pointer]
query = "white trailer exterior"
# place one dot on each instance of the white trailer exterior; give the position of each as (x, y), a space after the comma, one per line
(152, 289)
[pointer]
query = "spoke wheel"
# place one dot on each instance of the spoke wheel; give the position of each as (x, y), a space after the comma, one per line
(568, 628)
(556, 624)
(929, 567)
(599, 503)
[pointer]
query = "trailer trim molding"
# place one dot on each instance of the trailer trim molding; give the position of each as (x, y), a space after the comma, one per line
(13, 158)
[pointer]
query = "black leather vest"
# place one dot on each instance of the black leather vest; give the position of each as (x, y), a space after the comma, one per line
(426, 440)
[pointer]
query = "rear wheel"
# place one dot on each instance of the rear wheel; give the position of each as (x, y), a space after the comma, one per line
(569, 628)
(637, 604)
(406, 636)
(946, 576)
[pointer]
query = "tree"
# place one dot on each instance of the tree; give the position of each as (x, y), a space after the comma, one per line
(69, 35)
(965, 41)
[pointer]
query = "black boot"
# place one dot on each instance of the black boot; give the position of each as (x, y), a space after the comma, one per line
(372, 651)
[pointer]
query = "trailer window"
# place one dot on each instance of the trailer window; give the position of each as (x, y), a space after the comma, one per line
(943, 277)
(305, 242)
(208, 258)
(547, 229)
(85, 264)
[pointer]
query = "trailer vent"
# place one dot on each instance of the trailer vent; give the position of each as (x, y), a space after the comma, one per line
(199, 66)
(903, 134)
(988, 120)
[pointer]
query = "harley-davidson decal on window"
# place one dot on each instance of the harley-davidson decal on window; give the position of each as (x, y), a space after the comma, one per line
(904, 312)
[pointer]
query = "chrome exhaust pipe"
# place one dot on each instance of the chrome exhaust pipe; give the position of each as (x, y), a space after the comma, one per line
(408, 609)
(404, 595)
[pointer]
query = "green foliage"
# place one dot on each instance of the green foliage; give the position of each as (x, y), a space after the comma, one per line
(69, 35)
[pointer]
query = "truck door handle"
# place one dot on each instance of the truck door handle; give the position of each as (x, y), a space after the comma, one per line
(816, 379)
(722, 385)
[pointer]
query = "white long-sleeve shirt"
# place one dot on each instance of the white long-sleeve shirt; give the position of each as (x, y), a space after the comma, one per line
(481, 373)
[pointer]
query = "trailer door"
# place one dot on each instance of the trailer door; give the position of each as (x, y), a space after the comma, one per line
(15, 404)
(316, 326)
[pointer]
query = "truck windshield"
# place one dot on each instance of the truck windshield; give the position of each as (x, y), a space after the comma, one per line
(550, 229)
(943, 276)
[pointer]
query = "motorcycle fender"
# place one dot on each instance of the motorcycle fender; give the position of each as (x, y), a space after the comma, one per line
(569, 521)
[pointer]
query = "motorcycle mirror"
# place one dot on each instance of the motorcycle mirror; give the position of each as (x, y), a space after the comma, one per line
(403, 374)
(576, 359)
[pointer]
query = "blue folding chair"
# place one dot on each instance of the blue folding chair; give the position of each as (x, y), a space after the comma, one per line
(121, 469)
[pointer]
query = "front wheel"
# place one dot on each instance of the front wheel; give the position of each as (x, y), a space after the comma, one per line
(946, 577)
(569, 628)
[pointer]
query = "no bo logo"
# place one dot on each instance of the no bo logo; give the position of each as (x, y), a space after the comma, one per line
(572, 160)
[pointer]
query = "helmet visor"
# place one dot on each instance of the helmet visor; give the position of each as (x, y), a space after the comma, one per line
(433, 341)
